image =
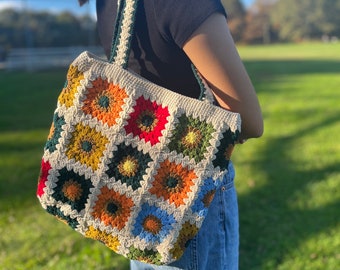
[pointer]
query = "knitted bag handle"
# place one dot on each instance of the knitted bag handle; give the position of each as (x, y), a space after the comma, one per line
(122, 32)
(121, 43)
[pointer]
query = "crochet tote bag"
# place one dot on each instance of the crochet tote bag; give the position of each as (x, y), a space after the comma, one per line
(130, 163)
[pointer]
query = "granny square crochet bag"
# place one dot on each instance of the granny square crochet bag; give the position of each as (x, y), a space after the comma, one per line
(129, 163)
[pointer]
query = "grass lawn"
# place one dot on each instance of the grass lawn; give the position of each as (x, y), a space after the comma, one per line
(288, 181)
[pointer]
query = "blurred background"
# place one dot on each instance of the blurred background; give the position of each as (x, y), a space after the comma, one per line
(288, 181)
(42, 28)
(37, 34)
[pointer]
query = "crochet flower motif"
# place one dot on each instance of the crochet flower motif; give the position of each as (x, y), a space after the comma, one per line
(187, 232)
(72, 189)
(109, 240)
(112, 208)
(153, 224)
(225, 149)
(146, 255)
(73, 78)
(104, 101)
(73, 223)
(173, 182)
(128, 165)
(191, 137)
(147, 121)
(86, 146)
(44, 169)
(204, 197)
(55, 133)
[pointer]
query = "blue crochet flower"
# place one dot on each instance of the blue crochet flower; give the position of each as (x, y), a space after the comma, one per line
(205, 197)
(153, 224)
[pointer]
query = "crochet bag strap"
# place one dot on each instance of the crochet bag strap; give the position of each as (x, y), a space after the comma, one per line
(122, 32)
(121, 43)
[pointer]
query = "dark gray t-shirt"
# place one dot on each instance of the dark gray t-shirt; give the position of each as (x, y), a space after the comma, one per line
(161, 29)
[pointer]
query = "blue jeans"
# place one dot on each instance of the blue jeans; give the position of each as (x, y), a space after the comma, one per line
(216, 245)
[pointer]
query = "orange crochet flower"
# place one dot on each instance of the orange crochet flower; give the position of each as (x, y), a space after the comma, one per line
(104, 101)
(112, 208)
(152, 224)
(72, 190)
(74, 76)
(173, 182)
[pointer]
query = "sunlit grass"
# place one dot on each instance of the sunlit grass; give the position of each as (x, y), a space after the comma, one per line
(303, 51)
(288, 180)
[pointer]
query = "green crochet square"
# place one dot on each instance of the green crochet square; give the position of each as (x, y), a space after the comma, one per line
(191, 137)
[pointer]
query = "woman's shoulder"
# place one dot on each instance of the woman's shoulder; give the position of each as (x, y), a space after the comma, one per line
(178, 19)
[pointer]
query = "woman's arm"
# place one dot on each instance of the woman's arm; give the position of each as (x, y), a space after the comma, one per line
(212, 50)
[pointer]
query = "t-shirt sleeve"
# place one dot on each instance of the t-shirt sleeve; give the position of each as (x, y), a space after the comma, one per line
(178, 19)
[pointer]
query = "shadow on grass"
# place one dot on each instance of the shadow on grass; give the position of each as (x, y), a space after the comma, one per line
(288, 67)
(271, 225)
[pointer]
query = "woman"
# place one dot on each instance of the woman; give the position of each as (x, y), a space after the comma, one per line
(170, 35)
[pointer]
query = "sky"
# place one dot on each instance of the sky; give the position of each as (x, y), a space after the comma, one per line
(59, 5)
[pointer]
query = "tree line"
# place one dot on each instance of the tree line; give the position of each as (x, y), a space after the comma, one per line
(266, 21)
(26, 28)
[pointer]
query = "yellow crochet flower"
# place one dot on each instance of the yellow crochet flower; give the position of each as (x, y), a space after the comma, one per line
(51, 133)
(187, 232)
(87, 146)
(128, 166)
(192, 138)
(110, 241)
(74, 76)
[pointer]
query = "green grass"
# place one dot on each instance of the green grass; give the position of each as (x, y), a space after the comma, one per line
(288, 181)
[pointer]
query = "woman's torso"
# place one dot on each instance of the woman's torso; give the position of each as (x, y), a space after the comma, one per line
(161, 29)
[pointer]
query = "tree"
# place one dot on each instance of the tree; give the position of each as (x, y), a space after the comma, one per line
(42, 29)
(306, 19)
(236, 17)
(11, 28)
(327, 14)
(258, 24)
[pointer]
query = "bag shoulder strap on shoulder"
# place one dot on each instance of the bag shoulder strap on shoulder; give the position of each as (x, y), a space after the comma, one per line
(121, 43)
